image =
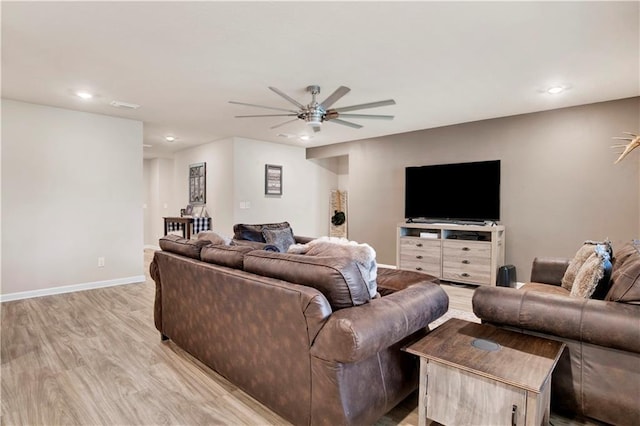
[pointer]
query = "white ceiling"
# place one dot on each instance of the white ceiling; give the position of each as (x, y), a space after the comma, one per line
(443, 62)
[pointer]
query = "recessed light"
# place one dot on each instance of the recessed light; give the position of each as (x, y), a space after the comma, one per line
(555, 90)
(147, 145)
(84, 95)
(170, 138)
(305, 137)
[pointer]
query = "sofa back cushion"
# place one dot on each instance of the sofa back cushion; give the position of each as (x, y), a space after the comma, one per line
(337, 278)
(363, 254)
(625, 278)
(182, 246)
(253, 232)
(229, 256)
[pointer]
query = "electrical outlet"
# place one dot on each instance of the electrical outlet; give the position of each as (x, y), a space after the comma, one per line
(101, 262)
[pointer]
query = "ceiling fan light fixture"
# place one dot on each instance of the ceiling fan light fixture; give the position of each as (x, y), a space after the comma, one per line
(314, 118)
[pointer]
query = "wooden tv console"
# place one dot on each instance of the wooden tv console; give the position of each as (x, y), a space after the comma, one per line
(469, 254)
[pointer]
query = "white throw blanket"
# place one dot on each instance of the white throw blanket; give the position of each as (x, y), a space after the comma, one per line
(363, 254)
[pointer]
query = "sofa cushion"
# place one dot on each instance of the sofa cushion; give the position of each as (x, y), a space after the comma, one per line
(337, 278)
(280, 238)
(253, 232)
(625, 278)
(391, 280)
(179, 245)
(363, 254)
(591, 273)
(229, 256)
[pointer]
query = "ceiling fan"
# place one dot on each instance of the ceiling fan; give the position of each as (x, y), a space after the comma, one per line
(315, 113)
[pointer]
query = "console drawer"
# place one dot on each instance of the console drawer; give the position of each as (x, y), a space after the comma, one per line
(419, 254)
(466, 261)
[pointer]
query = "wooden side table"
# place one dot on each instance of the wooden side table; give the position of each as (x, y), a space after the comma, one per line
(184, 221)
(479, 374)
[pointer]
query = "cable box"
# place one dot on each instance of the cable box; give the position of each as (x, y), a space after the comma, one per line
(431, 235)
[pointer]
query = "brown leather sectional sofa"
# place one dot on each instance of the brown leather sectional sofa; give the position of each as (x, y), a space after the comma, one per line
(598, 375)
(298, 333)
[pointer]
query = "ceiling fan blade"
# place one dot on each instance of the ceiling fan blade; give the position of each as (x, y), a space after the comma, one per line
(262, 106)
(339, 92)
(378, 117)
(364, 106)
(282, 124)
(345, 123)
(287, 97)
(267, 115)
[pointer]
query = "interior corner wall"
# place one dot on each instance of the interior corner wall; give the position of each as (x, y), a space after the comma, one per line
(158, 197)
(218, 156)
(72, 187)
(559, 185)
(306, 187)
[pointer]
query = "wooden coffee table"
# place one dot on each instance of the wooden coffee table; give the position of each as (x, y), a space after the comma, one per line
(479, 374)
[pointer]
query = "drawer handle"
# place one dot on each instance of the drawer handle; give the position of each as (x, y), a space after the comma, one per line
(466, 262)
(465, 249)
(418, 257)
(464, 274)
(418, 269)
(419, 245)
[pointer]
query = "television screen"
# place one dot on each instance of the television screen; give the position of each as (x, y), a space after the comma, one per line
(460, 191)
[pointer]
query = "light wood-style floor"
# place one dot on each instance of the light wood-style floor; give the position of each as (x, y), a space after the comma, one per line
(95, 358)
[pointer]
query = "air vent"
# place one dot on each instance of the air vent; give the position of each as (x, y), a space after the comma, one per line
(124, 105)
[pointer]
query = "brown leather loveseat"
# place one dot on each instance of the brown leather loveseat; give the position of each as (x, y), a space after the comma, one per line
(299, 333)
(598, 375)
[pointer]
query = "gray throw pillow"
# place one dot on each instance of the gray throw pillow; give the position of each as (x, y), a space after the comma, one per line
(281, 238)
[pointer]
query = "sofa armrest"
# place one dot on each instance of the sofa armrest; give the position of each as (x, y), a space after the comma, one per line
(354, 334)
(549, 270)
(608, 324)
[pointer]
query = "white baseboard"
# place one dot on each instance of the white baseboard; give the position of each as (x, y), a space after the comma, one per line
(384, 265)
(151, 246)
(71, 288)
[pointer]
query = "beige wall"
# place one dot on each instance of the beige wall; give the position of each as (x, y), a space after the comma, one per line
(235, 177)
(306, 187)
(559, 184)
(72, 186)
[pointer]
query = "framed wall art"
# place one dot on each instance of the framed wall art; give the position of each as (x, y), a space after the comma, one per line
(198, 183)
(272, 179)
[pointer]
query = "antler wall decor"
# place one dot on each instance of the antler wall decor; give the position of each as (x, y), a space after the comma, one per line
(634, 142)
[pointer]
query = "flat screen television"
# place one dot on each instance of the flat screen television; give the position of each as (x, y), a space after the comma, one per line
(464, 192)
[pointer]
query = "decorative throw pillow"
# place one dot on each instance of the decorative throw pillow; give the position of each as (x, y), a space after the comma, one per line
(280, 238)
(253, 232)
(580, 258)
(576, 263)
(214, 237)
(590, 273)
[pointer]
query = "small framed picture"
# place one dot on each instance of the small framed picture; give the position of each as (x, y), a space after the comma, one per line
(189, 210)
(272, 179)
